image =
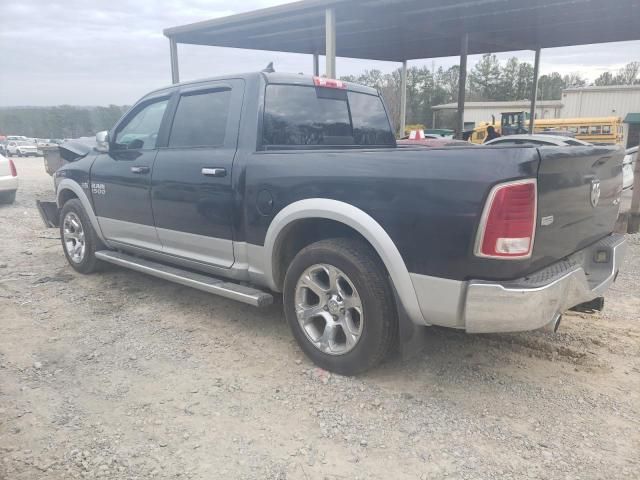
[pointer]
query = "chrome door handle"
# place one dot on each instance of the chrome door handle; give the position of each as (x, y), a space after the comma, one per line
(214, 172)
(140, 169)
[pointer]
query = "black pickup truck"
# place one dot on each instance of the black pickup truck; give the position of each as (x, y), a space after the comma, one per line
(252, 184)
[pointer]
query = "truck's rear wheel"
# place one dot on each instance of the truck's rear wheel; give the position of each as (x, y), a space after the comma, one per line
(79, 239)
(339, 305)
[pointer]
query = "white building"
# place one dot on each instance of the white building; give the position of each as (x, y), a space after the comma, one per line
(616, 101)
(477, 112)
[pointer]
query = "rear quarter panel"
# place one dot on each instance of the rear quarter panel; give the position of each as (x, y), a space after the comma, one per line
(427, 200)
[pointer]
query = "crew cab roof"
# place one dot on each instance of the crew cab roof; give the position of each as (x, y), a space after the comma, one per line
(275, 77)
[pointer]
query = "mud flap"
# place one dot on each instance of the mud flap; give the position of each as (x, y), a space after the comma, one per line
(411, 337)
(49, 213)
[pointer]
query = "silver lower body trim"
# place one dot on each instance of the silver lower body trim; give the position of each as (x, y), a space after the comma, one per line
(136, 234)
(441, 300)
(201, 248)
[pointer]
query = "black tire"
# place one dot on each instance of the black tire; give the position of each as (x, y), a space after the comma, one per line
(379, 316)
(8, 197)
(88, 263)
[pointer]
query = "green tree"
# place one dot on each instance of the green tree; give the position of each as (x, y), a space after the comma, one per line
(64, 121)
(574, 80)
(485, 78)
(550, 86)
(628, 75)
(605, 79)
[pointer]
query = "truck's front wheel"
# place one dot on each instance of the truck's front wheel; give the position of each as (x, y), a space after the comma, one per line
(339, 305)
(79, 240)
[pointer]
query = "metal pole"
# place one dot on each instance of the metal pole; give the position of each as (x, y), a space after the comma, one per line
(173, 51)
(330, 37)
(534, 91)
(462, 84)
(316, 65)
(403, 98)
(634, 212)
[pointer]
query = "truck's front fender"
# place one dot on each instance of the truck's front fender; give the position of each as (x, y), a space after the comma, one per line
(68, 184)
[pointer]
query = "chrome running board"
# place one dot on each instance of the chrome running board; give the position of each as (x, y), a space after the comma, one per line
(214, 285)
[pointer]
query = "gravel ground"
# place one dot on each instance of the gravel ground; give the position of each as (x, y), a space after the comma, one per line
(118, 375)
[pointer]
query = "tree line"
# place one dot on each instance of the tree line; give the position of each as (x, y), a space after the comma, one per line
(488, 80)
(63, 121)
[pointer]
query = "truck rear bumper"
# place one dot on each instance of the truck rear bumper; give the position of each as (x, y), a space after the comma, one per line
(537, 300)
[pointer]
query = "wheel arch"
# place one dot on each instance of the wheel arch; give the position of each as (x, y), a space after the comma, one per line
(68, 189)
(351, 218)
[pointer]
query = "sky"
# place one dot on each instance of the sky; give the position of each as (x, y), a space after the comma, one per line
(100, 52)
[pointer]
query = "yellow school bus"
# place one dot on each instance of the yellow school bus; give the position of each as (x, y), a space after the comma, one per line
(593, 129)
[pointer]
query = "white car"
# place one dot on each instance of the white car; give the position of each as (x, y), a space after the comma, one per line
(22, 149)
(8, 180)
(628, 166)
(537, 140)
(45, 142)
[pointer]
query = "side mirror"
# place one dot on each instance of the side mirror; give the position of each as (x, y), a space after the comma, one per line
(102, 141)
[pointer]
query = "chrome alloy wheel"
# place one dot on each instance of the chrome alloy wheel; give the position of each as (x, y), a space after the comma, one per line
(73, 237)
(329, 309)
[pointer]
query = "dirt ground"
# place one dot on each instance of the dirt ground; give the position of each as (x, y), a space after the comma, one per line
(122, 376)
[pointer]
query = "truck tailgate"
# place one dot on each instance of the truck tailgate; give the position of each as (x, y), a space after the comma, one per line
(579, 192)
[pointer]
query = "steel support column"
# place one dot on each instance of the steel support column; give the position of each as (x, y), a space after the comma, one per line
(173, 51)
(403, 98)
(462, 85)
(634, 213)
(534, 91)
(330, 37)
(316, 64)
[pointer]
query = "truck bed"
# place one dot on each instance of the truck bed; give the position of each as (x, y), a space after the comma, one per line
(429, 200)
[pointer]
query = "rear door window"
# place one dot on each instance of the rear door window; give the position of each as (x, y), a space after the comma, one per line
(297, 115)
(201, 119)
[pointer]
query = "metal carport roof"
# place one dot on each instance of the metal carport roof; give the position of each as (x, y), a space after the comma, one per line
(401, 30)
(398, 30)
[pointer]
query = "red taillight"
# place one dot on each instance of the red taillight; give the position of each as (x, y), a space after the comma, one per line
(329, 83)
(508, 223)
(12, 167)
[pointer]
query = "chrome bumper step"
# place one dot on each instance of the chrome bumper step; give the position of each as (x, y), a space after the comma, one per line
(208, 284)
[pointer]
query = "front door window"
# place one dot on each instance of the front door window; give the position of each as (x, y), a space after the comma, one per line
(141, 131)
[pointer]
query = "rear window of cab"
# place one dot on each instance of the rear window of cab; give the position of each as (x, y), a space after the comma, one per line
(298, 116)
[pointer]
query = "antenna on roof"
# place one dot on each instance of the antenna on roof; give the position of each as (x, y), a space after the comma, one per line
(269, 68)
